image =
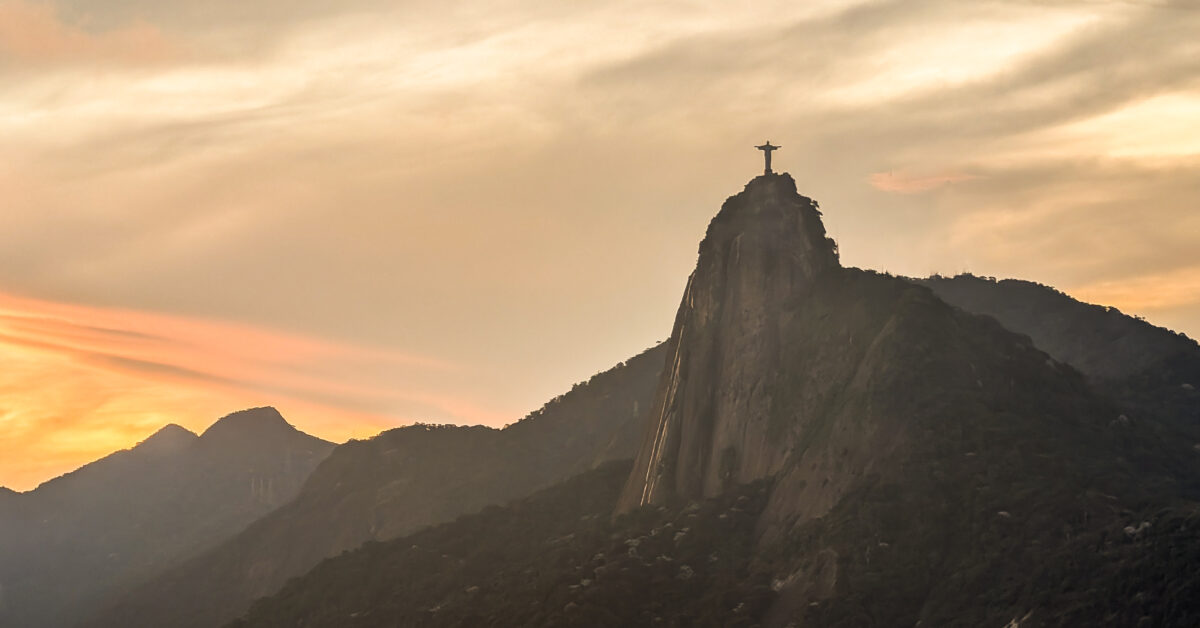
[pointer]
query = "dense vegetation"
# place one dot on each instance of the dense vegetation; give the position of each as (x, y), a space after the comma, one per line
(1152, 372)
(1099, 341)
(554, 559)
(889, 555)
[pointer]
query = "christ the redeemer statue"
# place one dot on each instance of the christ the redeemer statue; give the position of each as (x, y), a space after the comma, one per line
(766, 149)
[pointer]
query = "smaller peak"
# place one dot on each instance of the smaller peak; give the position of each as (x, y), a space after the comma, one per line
(172, 430)
(770, 217)
(773, 178)
(252, 423)
(7, 492)
(168, 439)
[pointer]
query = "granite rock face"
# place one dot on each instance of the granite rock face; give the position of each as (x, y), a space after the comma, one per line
(784, 365)
(711, 424)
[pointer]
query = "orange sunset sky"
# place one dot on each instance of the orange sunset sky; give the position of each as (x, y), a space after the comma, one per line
(371, 213)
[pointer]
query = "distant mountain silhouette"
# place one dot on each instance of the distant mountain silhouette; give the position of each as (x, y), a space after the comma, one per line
(398, 482)
(1152, 372)
(168, 441)
(1102, 342)
(826, 447)
(76, 539)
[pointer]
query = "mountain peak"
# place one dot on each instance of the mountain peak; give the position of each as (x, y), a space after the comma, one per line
(169, 439)
(251, 424)
(761, 257)
(773, 223)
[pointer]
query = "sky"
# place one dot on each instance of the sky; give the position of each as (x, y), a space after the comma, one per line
(372, 213)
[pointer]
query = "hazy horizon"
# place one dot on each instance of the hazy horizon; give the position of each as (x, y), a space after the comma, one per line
(367, 216)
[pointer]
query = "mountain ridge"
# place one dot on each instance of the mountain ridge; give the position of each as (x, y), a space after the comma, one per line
(1117, 346)
(76, 539)
(395, 483)
(260, 422)
(1152, 372)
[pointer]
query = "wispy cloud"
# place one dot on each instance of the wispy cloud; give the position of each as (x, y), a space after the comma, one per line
(34, 33)
(902, 183)
(80, 380)
(1146, 293)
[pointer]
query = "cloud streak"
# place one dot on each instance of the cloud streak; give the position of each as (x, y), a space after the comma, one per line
(1146, 293)
(78, 378)
(901, 183)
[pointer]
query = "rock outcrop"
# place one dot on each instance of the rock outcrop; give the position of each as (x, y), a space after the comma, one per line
(712, 419)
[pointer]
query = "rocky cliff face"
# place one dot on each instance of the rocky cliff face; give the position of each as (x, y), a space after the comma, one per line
(712, 415)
